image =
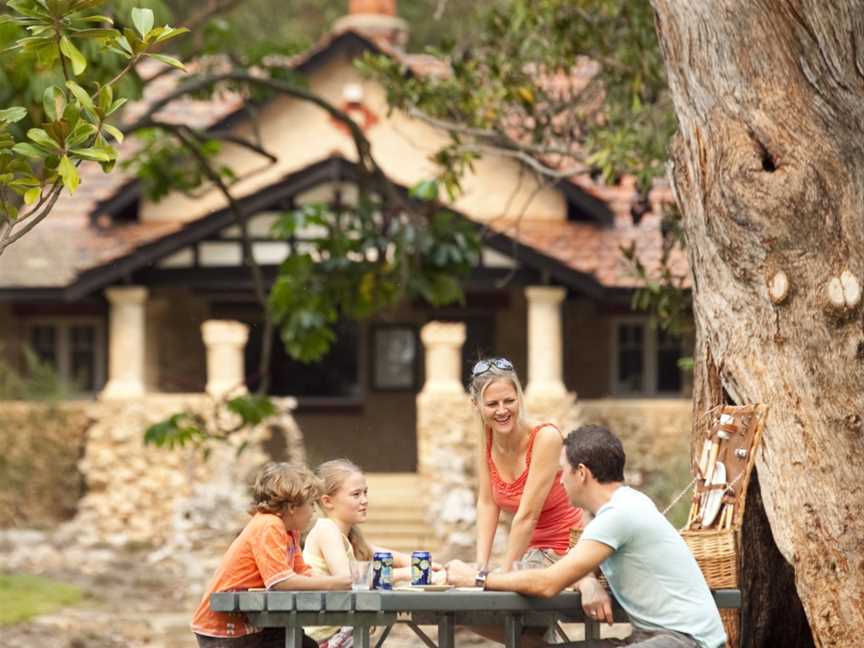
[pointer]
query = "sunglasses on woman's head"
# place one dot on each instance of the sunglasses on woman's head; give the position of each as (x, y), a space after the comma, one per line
(485, 365)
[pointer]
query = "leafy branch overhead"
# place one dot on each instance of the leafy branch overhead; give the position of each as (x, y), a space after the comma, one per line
(562, 85)
(42, 145)
(358, 263)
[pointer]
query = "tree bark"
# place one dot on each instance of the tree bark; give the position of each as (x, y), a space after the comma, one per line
(768, 170)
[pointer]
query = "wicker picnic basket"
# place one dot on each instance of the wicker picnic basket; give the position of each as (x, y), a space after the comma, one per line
(716, 550)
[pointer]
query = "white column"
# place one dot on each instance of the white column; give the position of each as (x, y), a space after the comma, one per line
(545, 351)
(225, 341)
(126, 342)
(443, 343)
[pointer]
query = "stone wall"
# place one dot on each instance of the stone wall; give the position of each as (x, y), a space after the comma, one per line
(133, 495)
(143, 495)
(448, 443)
(40, 484)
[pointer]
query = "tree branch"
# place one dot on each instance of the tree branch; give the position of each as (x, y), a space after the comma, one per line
(187, 138)
(11, 237)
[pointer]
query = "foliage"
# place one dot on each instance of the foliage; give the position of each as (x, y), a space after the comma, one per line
(23, 596)
(665, 293)
(187, 428)
(43, 143)
(556, 80)
(38, 382)
(355, 265)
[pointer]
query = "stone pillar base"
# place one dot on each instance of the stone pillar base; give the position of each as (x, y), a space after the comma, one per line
(447, 451)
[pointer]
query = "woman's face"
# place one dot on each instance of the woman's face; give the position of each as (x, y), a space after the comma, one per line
(499, 406)
(350, 503)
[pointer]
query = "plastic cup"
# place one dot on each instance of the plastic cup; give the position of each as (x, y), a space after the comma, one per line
(361, 575)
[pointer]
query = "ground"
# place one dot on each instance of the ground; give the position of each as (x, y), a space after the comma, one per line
(134, 597)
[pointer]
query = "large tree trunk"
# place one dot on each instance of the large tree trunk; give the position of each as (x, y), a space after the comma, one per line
(768, 170)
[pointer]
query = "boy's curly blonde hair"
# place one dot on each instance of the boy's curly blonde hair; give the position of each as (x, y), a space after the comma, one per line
(279, 485)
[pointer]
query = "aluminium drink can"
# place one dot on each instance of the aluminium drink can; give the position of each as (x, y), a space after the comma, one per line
(382, 570)
(421, 568)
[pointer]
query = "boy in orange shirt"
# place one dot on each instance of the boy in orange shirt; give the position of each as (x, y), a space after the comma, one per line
(267, 553)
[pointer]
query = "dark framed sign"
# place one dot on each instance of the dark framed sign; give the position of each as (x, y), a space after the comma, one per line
(395, 355)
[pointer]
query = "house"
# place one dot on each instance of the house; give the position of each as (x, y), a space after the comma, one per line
(113, 289)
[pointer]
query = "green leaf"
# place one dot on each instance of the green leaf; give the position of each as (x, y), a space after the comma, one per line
(167, 33)
(170, 60)
(83, 131)
(104, 96)
(54, 102)
(425, 190)
(69, 174)
(113, 131)
(177, 430)
(126, 48)
(81, 95)
(115, 106)
(94, 154)
(43, 139)
(12, 115)
(79, 63)
(32, 195)
(252, 409)
(142, 18)
(28, 150)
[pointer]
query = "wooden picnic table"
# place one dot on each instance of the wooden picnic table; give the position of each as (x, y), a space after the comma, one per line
(381, 608)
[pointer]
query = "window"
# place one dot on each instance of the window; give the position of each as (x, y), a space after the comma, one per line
(74, 347)
(335, 376)
(645, 359)
(394, 357)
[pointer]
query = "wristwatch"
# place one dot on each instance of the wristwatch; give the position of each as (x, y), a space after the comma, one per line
(480, 578)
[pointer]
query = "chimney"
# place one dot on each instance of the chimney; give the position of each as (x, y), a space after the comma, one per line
(376, 20)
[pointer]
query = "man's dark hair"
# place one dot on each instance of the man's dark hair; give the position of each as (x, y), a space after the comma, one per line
(600, 451)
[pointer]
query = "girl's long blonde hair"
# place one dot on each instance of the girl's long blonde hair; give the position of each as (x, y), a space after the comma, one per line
(333, 475)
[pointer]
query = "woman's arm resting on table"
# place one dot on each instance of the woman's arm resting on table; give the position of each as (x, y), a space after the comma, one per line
(541, 477)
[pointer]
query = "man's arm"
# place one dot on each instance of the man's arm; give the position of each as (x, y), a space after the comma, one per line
(547, 582)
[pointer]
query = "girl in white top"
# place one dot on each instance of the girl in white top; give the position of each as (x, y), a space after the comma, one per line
(335, 540)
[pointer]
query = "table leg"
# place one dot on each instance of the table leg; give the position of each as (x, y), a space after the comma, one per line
(513, 631)
(294, 636)
(361, 636)
(446, 631)
(592, 630)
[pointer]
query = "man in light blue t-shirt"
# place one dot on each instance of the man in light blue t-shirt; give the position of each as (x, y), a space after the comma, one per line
(649, 567)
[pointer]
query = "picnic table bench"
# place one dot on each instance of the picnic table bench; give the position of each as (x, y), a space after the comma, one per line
(447, 609)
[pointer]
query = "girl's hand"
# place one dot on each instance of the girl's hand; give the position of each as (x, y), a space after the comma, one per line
(436, 566)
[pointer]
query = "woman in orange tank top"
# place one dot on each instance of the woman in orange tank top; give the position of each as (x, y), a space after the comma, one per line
(519, 472)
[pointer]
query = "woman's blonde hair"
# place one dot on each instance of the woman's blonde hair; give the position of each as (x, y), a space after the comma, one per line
(493, 373)
(279, 485)
(333, 475)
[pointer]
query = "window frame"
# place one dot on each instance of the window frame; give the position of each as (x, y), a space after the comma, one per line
(63, 326)
(650, 350)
